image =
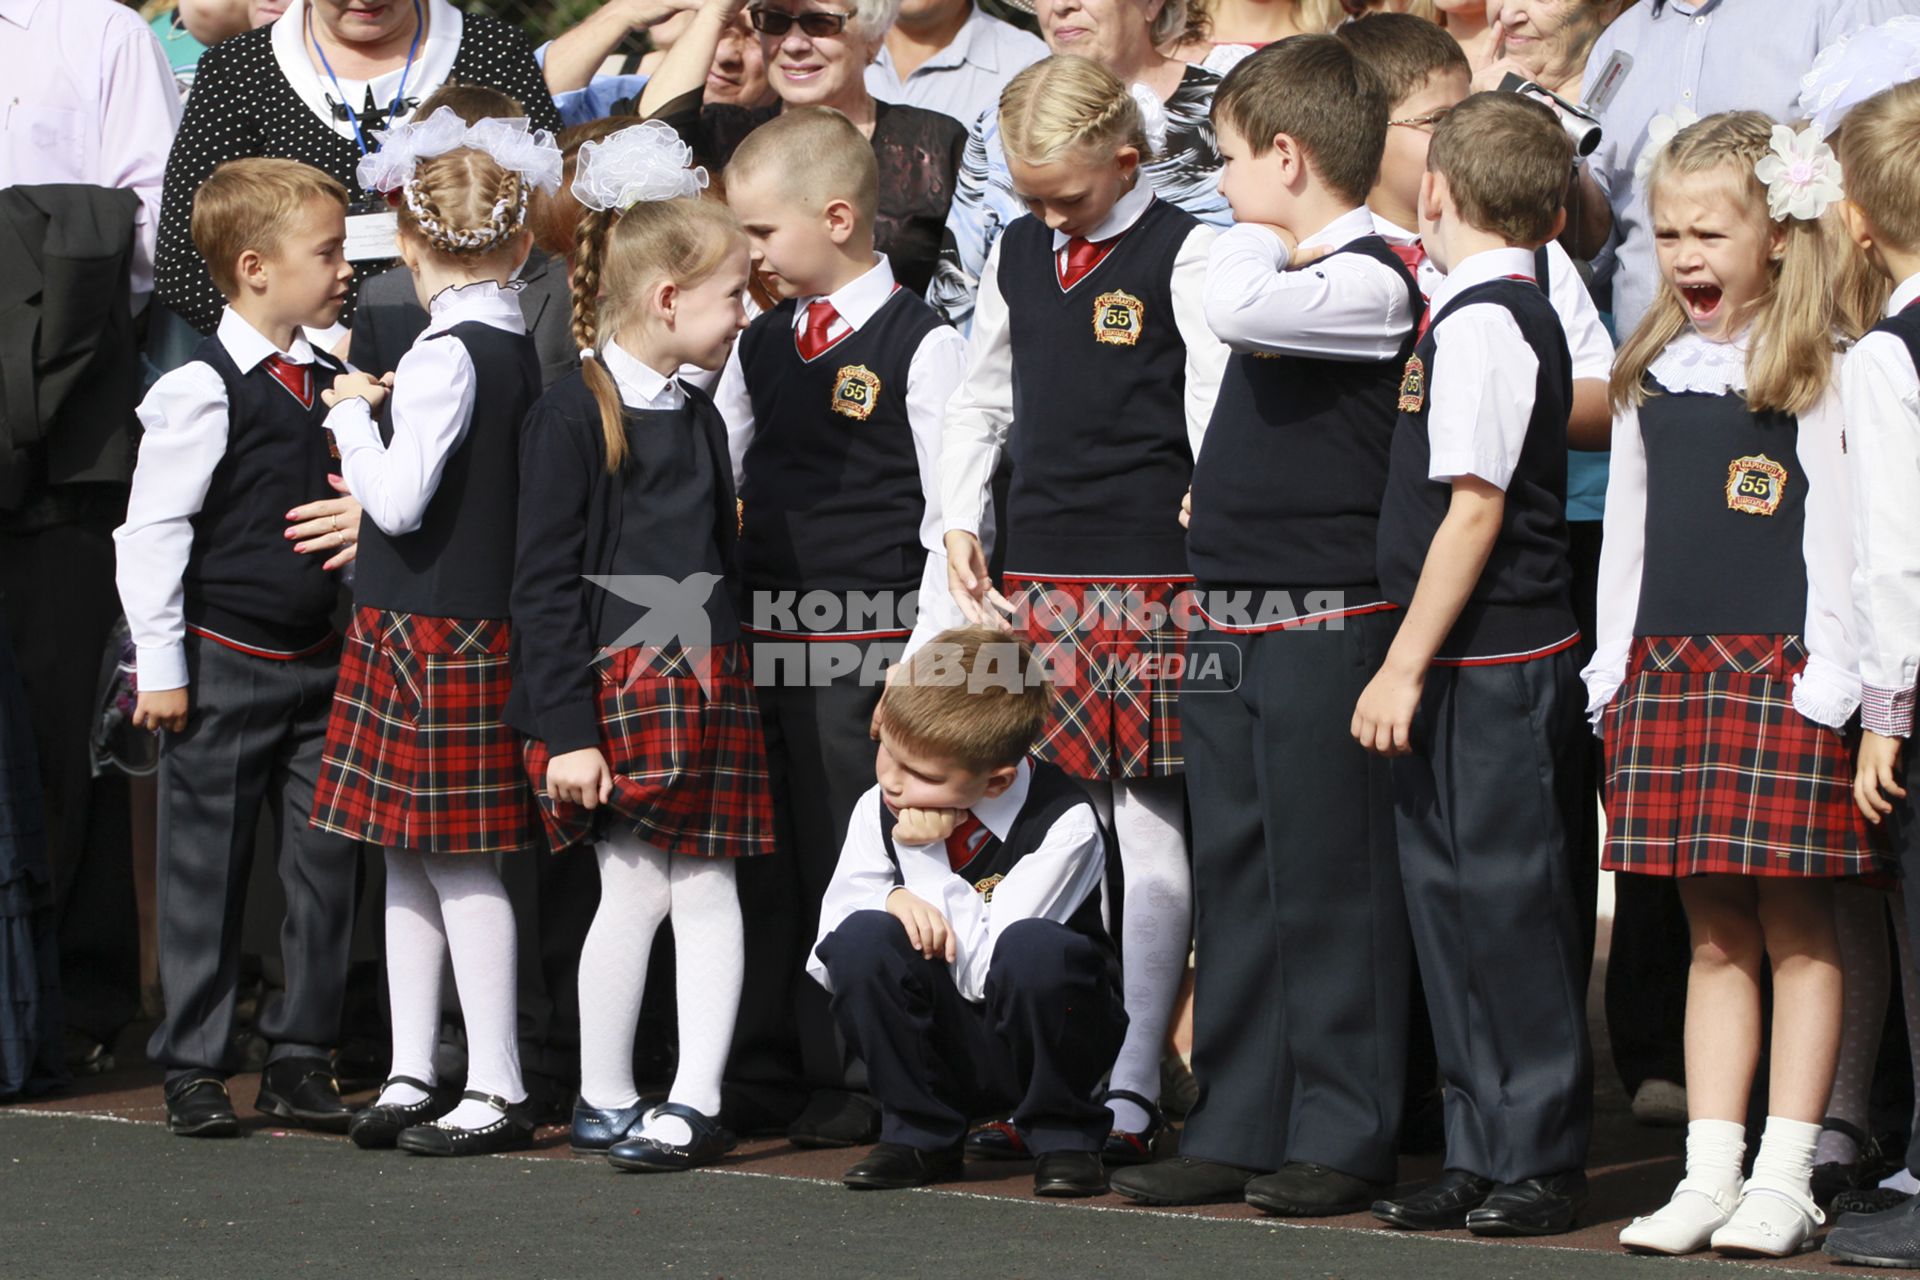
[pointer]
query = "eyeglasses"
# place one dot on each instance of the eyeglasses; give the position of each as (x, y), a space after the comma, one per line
(815, 25)
(1428, 121)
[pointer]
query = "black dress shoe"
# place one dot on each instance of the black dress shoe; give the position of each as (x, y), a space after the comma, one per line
(303, 1091)
(1442, 1206)
(1069, 1174)
(835, 1118)
(1302, 1190)
(709, 1142)
(378, 1127)
(1125, 1148)
(1545, 1206)
(891, 1166)
(513, 1131)
(198, 1107)
(596, 1129)
(1183, 1180)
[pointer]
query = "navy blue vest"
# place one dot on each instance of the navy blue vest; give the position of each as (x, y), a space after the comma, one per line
(1521, 603)
(830, 489)
(243, 581)
(1099, 437)
(459, 562)
(1287, 489)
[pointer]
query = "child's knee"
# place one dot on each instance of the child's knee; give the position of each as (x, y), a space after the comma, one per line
(866, 943)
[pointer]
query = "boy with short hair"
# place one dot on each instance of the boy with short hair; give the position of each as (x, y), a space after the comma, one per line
(961, 935)
(833, 402)
(1476, 695)
(1299, 997)
(236, 649)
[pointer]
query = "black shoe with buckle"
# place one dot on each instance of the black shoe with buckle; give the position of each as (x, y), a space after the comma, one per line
(198, 1107)
(997, 1140)
(513, 1131)
(378, 1127)
(303, 1091)
(1123, 1148)
(641, 1154)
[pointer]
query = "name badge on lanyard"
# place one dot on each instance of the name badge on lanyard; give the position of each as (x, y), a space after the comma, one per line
(373, 228)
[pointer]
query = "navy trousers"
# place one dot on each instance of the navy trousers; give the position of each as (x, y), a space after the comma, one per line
(1036, 1046)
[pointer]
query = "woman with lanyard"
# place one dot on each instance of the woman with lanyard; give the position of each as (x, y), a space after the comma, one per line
(316, 86)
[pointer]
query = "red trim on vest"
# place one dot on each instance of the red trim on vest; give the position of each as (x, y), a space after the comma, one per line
(254, 651)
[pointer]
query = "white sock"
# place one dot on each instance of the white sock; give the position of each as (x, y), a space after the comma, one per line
(416, 959)
(634, 896)
(1716, 1150)
(481, 941)
(1904, 1182)
(1783, 1171)
(1861, 924)
(1156, 926)
(710, 964)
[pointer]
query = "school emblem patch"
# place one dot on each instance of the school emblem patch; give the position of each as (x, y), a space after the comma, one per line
(1118, 318)
(1755, 485)
(856, 389)
(1413, 386)
(985, 887)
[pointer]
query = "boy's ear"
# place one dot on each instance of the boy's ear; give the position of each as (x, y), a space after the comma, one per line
(1559, 225)
(841, 220)
(1000, 779)
(1859, 227)
(1433, 193)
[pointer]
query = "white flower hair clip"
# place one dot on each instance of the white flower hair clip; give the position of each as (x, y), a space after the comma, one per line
(1153, 119)
(513, 144)
(1801, 173)
(1856, 68)
(646, 162)
(1661, 131)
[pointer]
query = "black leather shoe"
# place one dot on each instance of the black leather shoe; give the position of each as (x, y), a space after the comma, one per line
(377, 1128)
(1125, 1148)
(1442, 1206)
(650, 1155)
(835, 1118)
(513, 1131)
(997, 1140)
(1183, 1180)
(198, 1107)
(303, 1091)
(595, 1129)
(1864, 1202)
(1544, 1206)
(1302, 1190)
(893, 1167)
(1069, 1174)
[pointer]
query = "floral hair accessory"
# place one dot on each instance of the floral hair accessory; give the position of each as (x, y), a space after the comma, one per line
(1846, 74)
(1802, 176)
(645, 162)
(513, 144)
(1660, 134)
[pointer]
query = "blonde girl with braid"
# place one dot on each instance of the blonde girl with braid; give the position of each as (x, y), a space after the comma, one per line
(644, 735)
(1091, 365)
(418, 759)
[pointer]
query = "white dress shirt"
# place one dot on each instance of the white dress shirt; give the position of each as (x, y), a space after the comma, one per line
(982, 410)
(89, 98)
(432, 400)
(184, 420)
(1828, 689)
(965, 78)
(1049, 883)
(1343, 307)
(641, 386)
(1881, 393)
(1481, 387)
(932, 374)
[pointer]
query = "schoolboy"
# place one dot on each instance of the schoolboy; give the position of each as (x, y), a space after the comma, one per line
(961, 935)
(236, 649)
(1299, 998)
(833, 405)
(1474, 698)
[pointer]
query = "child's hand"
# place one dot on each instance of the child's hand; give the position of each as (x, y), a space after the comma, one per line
(161, 709)
(927, 930)
(925, 826)
(1307, 257)
(1186, 509)
(972, 588)
(358, 385)
(1876, 775)
(580, 777)
(1383, 718)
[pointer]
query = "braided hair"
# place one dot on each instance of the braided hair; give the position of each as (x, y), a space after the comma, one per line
(464, 204)
(1069, 104)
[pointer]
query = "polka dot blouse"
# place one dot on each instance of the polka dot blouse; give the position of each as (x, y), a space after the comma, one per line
(242, 105)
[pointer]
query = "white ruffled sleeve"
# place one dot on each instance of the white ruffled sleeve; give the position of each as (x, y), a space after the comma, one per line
(1623, 550)
(1828, 689)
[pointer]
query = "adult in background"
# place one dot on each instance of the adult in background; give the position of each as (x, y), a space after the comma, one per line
(1545, 41)
(1221, 32)
(314, 87)
(584, 91)
(948, 56)
(1125, 37)
(816, 53)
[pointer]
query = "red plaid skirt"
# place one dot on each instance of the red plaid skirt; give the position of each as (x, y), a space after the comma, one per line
(689, 765)
(416, 754)
(1711, 771)
(1113, 652)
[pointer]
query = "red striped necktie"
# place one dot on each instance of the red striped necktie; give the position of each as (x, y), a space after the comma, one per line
(1414, 255)
(820, 318)
(296, 378)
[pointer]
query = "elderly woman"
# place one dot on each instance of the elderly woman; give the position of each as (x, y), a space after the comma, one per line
(314, 87)
(1545, 41)
(816, 54)
(1126, 37)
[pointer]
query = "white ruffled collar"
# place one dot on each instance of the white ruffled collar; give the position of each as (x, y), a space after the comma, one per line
(1694, 363)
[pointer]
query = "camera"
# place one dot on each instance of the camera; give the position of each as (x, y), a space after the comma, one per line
(1581, 124)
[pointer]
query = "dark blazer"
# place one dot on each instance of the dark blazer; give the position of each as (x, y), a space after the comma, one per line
(390, 318)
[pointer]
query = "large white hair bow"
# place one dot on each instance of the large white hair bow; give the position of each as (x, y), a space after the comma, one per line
(645, 162)
(513, 144)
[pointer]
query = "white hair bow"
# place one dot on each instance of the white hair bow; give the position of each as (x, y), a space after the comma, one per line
(514, 145)
(645, 162)
(1849, 72)
(1660, 133)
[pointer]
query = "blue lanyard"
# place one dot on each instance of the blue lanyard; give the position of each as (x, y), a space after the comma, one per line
(353, 118)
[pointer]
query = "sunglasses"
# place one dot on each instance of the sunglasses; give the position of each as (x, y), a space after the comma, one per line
(815, 25)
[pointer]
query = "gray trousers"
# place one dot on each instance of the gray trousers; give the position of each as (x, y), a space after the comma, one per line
(254, 732)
